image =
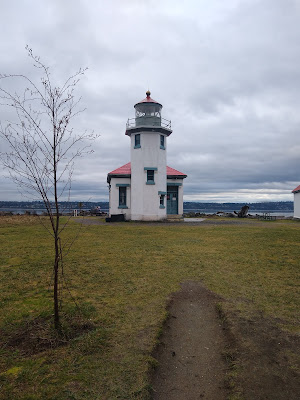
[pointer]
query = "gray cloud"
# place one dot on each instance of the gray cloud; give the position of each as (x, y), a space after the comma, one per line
(227, 74)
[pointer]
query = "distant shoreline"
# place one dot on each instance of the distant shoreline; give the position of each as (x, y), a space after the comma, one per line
(285, 208)
(208, 211)
(187, 205)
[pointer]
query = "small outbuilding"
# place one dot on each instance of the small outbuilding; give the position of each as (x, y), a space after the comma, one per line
(146, 188)
(296, 192)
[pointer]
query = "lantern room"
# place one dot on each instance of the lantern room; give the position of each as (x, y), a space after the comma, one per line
(148, 112)
(147, 115)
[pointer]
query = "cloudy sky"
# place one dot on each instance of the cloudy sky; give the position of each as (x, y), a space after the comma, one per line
(226, 72)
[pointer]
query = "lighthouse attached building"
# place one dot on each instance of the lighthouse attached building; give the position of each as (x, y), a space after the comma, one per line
(146, 188)
(296, 192)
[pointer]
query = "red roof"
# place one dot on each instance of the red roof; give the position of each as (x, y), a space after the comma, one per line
(297, 189)
(172, 171)
(126, 170)
(148, 99)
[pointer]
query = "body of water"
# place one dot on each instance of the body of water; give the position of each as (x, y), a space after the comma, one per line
(275, 213)
(40, 211)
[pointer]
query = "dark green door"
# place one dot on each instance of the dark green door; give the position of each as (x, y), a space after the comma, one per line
(172, 200)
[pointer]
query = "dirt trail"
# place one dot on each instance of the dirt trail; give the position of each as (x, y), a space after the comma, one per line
(190, 353)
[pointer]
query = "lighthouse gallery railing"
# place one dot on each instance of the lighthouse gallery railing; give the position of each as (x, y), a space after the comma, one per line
(148, 121)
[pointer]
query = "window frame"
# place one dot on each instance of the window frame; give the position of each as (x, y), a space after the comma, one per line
(122, 197)
(137, 141)
(162, 142)
(150, 174)
(162, 196)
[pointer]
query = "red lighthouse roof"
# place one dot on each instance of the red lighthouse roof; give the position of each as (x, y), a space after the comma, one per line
(148, 99)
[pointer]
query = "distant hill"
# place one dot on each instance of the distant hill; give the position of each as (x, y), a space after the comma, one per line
(187, 205)
(64, 205)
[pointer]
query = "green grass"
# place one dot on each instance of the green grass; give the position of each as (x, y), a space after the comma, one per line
(123, 275)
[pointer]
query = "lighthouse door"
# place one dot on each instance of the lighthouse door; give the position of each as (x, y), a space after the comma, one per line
(172, 200)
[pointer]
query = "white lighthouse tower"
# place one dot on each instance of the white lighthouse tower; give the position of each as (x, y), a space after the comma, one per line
(146, 188)
(148, 133)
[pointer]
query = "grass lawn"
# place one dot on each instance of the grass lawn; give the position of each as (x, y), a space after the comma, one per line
(121, 275)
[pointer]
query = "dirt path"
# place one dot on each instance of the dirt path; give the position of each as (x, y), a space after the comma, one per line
(190, 354)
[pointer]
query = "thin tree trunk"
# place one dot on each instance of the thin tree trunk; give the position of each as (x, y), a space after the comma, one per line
(55, 286)
(56, 232)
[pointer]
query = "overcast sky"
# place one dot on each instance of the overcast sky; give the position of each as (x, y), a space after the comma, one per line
(226, 72)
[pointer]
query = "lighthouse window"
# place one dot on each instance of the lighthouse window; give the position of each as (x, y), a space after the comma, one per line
(122, 197)
(162, 201)
(162, 142)
(137, 141)
(150, 177)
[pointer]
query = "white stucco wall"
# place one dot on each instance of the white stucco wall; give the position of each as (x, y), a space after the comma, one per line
(145, 202)
(114, 197)
(297, 205)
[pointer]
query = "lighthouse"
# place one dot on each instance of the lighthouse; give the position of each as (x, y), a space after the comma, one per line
(146, 188)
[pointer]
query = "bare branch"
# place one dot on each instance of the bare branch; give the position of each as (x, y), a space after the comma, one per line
(43, 147)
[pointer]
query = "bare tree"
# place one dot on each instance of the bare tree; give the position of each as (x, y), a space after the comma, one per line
(43, 146)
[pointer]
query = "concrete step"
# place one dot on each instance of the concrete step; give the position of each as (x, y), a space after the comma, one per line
(175, 218)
